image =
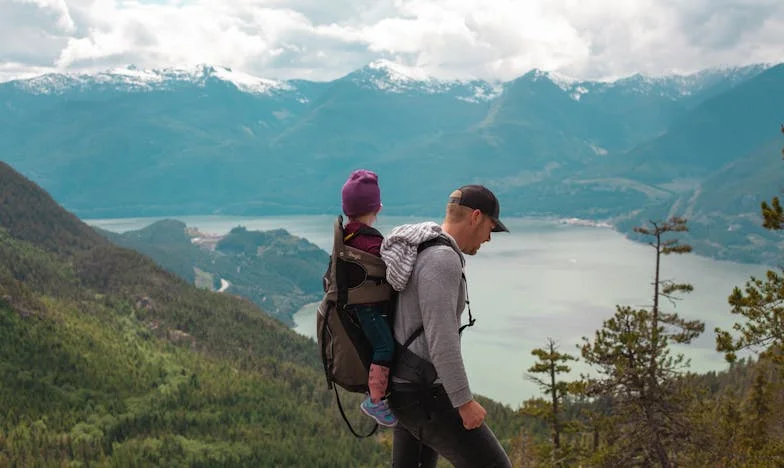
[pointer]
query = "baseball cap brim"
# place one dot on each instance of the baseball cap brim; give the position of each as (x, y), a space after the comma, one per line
(499, 226)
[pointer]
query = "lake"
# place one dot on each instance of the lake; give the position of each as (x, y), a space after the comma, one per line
(543, 279)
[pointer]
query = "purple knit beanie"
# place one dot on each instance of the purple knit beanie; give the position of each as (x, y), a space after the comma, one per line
(361, 194)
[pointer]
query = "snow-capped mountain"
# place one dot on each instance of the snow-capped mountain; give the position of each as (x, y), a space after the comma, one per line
(383, 76)
(133, 79)
(388, 76)
(673, 87)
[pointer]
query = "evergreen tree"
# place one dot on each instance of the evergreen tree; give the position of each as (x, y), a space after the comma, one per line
(758, 411)
(551, 363)
(637, 372)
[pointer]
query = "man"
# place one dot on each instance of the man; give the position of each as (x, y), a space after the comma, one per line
(431, 397)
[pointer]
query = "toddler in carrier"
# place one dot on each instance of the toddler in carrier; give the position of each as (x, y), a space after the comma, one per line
(361, 199)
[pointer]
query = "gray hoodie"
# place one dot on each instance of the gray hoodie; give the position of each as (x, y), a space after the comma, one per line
(431, 294)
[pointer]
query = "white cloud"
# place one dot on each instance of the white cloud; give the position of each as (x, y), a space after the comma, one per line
(11, 70)
(314, 39)
(57, 9)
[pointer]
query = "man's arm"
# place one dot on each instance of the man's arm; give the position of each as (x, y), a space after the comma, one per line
(439, 283)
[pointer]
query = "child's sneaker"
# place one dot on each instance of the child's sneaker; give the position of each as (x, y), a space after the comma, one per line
(379, 411)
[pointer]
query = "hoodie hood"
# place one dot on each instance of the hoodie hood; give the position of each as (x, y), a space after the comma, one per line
(399, 249)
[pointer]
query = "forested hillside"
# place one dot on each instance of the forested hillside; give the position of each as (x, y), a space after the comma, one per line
(107, 359)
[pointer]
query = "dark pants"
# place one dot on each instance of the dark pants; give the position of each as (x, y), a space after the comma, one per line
(375, 324)
(430, 418)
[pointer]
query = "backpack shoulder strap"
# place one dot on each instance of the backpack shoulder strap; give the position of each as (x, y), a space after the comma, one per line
(440, 240)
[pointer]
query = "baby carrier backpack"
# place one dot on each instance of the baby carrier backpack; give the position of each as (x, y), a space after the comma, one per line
(353, 276)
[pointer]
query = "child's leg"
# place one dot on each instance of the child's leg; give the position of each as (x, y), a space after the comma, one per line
(378, 380)
(377, 330)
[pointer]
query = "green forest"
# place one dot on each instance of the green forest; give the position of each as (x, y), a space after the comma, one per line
(107, 359)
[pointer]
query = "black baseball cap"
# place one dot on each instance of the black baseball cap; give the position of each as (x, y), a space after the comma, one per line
(480, 198)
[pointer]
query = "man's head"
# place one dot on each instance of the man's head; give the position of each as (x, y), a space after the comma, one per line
(471, 216)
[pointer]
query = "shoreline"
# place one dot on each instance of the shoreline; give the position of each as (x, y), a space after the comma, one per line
(204, 236)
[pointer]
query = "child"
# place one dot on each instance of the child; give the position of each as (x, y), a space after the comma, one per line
(361, 204)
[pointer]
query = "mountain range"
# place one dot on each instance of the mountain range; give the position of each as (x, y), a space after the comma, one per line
(133, 142)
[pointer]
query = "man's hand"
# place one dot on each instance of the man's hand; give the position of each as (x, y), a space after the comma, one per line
(472, 414)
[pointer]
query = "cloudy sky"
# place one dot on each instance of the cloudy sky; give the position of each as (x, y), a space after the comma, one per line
(325, 39)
